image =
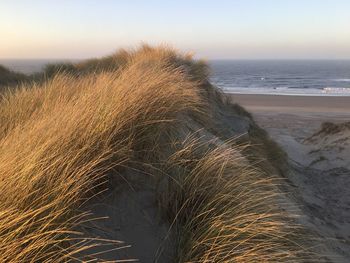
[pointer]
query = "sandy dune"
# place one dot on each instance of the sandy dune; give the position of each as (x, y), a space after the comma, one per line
(320, 160)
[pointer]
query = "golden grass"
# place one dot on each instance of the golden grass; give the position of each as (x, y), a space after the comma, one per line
(122, 57)
(226, 211)
(61, 140)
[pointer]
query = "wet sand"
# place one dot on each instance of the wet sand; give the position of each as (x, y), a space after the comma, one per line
(288, 104)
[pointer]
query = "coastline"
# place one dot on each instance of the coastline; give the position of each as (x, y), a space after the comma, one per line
(293, 103)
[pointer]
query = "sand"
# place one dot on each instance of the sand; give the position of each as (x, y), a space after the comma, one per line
(128, 213)
(296, 104)
(320, 164)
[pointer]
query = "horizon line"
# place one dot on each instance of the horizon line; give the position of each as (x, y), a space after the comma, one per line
(195, 58)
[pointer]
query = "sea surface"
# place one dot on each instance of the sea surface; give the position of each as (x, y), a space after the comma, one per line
(283, 77)
(280, 77)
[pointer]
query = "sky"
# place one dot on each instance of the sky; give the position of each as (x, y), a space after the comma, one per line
(217, 29)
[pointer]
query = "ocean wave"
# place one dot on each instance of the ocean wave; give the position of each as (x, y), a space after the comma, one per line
(284, 90)
(341, 90)
(341, 80)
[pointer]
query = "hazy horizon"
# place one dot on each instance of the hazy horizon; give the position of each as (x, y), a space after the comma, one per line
(210, 59)
(229, 30)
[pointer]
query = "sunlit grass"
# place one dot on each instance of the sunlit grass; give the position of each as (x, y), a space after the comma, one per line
(63, 138)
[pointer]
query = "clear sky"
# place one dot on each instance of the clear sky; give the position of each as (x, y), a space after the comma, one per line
(238, 29)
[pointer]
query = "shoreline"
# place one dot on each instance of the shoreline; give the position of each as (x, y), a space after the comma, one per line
(293, 103)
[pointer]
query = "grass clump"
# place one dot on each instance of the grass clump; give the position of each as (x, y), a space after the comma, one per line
(8, 77)
(225, 209)
(65, 140)
(333, 128)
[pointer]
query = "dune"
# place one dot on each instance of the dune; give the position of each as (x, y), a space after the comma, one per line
(315, 137)
(10, 78)
(137, 157)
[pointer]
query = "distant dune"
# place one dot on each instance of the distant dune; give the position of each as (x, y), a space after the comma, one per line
(136, 156)
(8, 77)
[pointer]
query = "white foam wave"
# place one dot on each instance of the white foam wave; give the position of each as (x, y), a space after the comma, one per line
(341, 80)
(337, 90)
(327, 91)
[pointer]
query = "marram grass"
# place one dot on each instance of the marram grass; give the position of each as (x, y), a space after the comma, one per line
(63, 138)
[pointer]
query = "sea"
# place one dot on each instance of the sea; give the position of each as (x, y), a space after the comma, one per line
(275, 77)
(283, 77)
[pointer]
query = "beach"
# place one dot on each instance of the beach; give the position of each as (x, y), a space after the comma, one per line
(295, 104)
(297, 116)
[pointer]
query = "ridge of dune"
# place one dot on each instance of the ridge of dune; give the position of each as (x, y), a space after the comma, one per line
(138, 157)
